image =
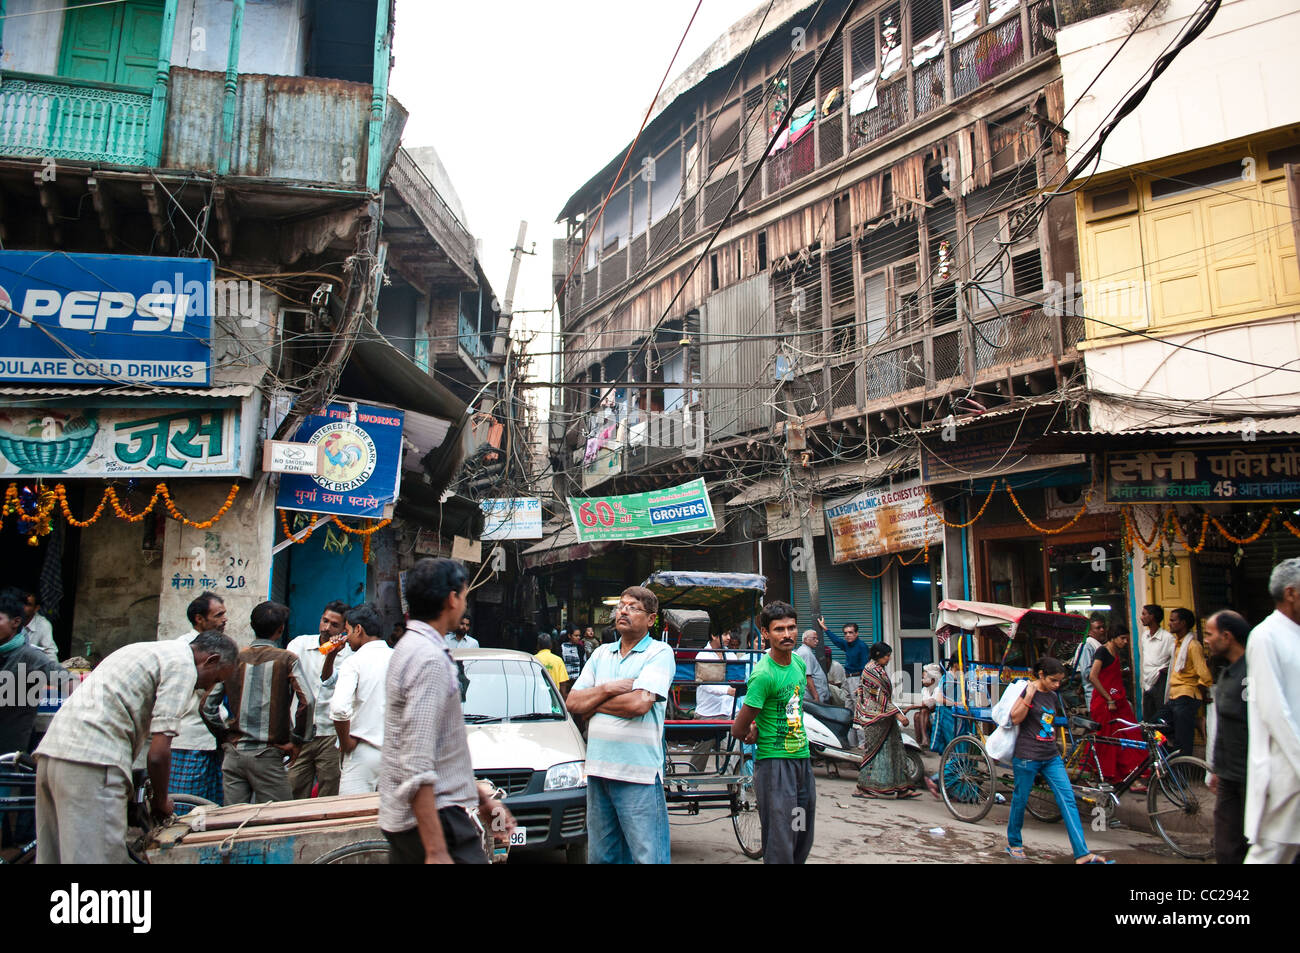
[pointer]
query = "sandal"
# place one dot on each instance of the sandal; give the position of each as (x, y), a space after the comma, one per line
(866, 797)
(933, 788)
(1094, 859)
(905, 795)
(1016, 853)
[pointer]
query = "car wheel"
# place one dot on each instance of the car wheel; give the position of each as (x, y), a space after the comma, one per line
(575, 853)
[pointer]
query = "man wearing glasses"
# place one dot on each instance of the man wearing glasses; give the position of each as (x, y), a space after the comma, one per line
(623, 690)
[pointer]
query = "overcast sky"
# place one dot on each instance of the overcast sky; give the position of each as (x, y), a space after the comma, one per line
(525, 101)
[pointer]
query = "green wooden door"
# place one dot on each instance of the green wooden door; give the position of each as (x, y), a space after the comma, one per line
(115, 44)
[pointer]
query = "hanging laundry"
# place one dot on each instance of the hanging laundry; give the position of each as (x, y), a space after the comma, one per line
(863, 93)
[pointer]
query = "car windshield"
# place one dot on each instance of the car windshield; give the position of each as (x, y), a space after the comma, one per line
(507, 690)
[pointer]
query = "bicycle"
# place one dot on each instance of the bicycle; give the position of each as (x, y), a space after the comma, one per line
(18, 773)
(1180, 806)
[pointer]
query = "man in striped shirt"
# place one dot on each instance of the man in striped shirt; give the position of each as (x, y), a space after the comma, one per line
(426, 779)
(261, 728)
(624, 690)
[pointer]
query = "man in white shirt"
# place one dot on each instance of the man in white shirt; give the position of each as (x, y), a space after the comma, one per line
(1273, 717)
(711, 701)
(37, 628)
(195, 756)
(318, 760)
(1157, 653)
(819, 689)
(461, 639)
(357, 705)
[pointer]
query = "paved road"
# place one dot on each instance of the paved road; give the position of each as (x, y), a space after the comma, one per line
(917, 831)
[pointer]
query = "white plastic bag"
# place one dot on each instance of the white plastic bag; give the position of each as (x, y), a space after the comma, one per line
(1001, 745)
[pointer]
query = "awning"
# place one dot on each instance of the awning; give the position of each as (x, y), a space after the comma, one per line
(1210, 432)
(560, 545)
(858, 472)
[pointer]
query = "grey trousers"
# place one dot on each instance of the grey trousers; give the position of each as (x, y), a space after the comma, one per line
(80, 813)
(317, 761)
(787, 807)
(254, 775)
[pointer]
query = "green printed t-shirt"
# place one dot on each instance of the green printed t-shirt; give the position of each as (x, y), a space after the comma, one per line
(776, 693)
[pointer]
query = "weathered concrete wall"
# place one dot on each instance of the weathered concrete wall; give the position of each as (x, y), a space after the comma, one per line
(117, 586)
(31, 36)
(233, 558)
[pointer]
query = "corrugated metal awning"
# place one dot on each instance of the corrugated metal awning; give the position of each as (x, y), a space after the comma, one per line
(1208, 432)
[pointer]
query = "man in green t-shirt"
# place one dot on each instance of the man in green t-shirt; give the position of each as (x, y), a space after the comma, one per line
(772, 718)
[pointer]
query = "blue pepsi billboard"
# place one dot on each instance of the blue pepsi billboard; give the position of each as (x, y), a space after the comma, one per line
(84, 319)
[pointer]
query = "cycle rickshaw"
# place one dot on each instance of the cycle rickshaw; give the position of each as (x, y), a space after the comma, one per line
(1180, 806)
(690, 605)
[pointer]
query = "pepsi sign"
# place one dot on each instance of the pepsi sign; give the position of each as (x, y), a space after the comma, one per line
(86, 319)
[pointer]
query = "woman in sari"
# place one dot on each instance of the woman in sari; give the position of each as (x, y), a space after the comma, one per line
(1109, 705)
(884, 771)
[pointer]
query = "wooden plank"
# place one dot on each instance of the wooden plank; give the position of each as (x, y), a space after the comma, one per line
(309, 809)
(277, 830)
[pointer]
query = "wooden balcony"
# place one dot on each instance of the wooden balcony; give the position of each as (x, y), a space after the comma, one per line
(44, 117)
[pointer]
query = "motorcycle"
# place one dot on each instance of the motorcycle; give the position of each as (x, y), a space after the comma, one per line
(827, 728)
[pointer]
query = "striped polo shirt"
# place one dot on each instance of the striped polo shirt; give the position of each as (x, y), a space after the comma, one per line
(629, 749)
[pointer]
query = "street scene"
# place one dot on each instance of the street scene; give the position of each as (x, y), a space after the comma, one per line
(898, 461)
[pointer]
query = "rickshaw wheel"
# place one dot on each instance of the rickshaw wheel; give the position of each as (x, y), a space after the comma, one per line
(967, 779)
(1042, 804)
(744, 818)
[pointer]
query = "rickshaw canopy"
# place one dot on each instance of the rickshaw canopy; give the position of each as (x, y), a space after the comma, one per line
(728, 597)
(1012, 620)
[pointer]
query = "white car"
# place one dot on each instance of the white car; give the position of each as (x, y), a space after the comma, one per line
(523, 739)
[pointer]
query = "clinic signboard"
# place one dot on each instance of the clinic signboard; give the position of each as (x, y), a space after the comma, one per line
(93, 319)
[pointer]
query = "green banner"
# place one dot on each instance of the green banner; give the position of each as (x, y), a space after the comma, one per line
(679, 509)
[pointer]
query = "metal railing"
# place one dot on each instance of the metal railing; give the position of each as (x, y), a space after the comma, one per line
(41, 117)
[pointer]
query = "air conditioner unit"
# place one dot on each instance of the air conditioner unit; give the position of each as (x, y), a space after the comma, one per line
(1064, 501)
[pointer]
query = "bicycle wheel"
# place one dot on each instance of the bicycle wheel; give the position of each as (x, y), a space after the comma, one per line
(744, 818)
(1180, 806)
(1042, 803)
(966, 779)
(362, 852)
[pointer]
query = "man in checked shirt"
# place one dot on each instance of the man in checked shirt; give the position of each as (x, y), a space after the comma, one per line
(426, 779)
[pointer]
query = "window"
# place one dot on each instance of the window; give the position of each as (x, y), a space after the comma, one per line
(984, 248)
(843, 221)
(507, 689)
(1279, 158)
(724, 141)
(1027, 273)
(713, 272)
(1114, 201)
(666, 187)
(876, 299)
(640, 203)
(762, 251)
(1226, 173)
(616, 222)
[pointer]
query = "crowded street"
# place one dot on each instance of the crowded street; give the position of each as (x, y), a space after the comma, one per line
(584, 433)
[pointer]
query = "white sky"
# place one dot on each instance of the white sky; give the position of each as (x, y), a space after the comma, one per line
(525, 101)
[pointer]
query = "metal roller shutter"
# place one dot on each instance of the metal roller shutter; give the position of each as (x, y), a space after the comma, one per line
(846, 596)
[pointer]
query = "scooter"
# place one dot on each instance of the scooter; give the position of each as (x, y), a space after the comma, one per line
(827, 728)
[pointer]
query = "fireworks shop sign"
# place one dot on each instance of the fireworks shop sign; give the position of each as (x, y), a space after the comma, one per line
(1249, 473)
(361, 469)
(512, 518)
(48, 442)
(881, 521)
(679, 509)
(105, 318)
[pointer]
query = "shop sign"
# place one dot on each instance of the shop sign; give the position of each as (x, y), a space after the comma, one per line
(881, 521)
(82, 319)
(1203, 475)
(518, 517)
(361, 469)
(679, 509)
(140, 442)
(974, 451)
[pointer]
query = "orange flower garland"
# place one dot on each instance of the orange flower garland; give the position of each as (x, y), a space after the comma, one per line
(1048, 532)
(938, 511)
(58, 496)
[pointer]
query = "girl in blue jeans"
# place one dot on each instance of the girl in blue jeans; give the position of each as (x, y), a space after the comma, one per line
(1039, 712)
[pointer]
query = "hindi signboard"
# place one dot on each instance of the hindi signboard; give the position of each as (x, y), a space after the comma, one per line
(102, 442)
(1251, 474)
(79, 319)
(880, 521)
(517, 517)
(361, 469)
(678, 509)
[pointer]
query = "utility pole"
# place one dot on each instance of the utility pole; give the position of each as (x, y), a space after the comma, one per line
(798, 461)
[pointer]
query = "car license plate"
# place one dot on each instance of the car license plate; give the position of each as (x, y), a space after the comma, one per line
(518, 837)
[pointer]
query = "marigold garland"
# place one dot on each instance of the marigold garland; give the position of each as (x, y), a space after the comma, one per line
(365, 533)
(1047, 532)
(58, 496)
(1205, 534)
(866, 575)
(1245, 540)
(938, 511)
